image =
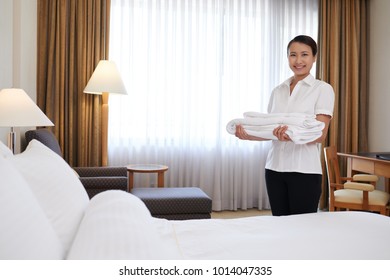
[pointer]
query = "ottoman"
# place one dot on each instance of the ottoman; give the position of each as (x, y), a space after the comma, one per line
(175, 203)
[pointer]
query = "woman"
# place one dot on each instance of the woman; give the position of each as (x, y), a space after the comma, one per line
(293, 171)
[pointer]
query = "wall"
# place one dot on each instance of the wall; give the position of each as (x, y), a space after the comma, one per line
(18, 32)
(379, 88)
(6, 52)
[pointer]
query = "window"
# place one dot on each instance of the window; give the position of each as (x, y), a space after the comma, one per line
(190, 66)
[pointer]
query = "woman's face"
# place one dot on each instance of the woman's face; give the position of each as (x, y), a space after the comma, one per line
(300, 59)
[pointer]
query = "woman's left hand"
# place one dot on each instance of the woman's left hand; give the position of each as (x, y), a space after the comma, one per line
(280, 133)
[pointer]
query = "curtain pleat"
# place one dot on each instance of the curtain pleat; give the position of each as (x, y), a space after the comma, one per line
(72, 38)
(343, 62)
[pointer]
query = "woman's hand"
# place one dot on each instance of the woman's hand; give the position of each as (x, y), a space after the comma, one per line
(280, 133)
(241, 133)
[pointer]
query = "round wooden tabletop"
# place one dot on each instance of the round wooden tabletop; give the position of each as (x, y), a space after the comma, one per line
(147, 168)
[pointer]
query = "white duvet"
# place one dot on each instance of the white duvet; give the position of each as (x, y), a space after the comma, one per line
(336, 235)
(118, 226)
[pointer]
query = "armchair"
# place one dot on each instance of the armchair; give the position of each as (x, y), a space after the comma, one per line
(355, 193)
(94, 179)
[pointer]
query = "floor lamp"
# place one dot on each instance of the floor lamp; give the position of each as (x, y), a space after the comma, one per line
(104, 80)
(17, 109)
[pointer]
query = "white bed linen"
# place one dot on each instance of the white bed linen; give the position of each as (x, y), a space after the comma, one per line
(327, 235)
(117, 226)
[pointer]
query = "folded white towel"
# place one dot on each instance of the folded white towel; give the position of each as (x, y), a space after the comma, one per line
(302, 128)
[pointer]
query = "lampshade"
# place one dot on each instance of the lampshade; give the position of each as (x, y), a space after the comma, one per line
(17, 109)
(105, 78)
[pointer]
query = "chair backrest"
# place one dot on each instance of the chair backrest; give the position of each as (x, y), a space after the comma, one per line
(46, 137)
(332, 165)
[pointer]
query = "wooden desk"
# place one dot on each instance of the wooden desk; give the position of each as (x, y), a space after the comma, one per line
(367, 163)
(146, 168)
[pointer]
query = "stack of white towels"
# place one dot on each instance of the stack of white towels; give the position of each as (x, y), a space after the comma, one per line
(302, 128)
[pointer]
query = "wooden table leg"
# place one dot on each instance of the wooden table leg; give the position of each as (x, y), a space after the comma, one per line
(160, 179)
(130, 180)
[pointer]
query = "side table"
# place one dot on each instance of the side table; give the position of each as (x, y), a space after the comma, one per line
(145, 168)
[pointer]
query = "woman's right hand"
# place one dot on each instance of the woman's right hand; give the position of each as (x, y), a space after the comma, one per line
(241, 133)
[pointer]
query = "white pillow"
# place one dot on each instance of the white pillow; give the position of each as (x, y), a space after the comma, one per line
(56, 187)
(25, 230)
(4, 150)
(117, 225)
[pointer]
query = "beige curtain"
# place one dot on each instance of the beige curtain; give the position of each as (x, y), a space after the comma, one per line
(343, 62)
(72, 38)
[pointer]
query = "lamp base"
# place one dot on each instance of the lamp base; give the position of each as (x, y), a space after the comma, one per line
(12, 140)
(105, 129)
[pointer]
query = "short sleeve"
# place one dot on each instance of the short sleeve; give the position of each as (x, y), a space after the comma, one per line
(325, 102)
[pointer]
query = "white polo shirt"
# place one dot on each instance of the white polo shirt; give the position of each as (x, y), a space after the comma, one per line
(309, 96)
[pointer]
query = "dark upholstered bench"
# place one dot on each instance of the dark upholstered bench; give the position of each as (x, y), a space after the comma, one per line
(175, 203)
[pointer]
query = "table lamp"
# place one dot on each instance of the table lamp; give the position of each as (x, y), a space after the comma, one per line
(17, 109)
(104, 80)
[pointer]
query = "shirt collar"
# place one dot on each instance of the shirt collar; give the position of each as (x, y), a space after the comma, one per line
(309, 80)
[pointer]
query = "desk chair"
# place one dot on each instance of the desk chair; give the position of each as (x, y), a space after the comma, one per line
(353, 193)
(94, 179)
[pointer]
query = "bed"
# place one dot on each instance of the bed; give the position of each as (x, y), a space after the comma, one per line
(319, 236)
(46, 214)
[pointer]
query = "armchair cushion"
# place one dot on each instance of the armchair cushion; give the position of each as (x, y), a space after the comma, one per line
(95, 185)
(105, 171)
(365, 178)
(359, 186)
(356, 196)
(98, 179)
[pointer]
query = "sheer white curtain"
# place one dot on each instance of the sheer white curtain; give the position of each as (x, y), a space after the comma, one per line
(190, 66)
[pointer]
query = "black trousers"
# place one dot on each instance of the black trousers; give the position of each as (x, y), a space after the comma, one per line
(292, 192)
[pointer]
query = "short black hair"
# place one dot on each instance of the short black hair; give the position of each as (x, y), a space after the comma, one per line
(307, 40)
